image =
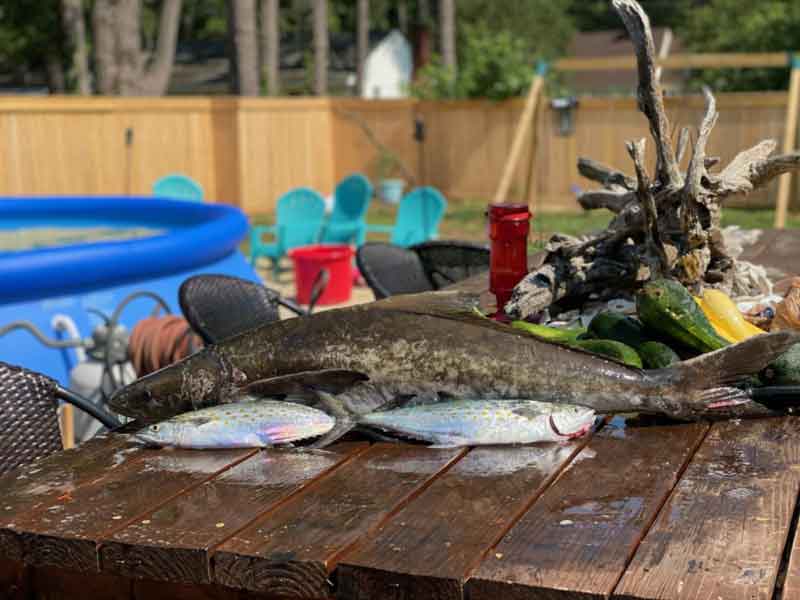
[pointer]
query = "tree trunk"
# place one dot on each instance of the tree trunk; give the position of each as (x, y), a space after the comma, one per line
(246, 44)
(447, 16)
(362, 45)
(270, 45)
(156, 80)
(72, 17)
(402, 17)
(121, 62)
(320, 47)
(56, 82)
(105, 46)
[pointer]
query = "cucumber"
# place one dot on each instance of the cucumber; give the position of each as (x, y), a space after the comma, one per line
(656, 355)
(784, 370)
(608, 325)
(617, 350)
(561, 335)
(666, 307)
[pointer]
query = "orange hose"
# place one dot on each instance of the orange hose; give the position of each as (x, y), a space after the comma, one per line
(160, 341)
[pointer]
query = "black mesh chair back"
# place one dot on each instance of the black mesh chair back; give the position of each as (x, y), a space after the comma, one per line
(447, 262)
(390, 270)
(29, 426)
(219, 306)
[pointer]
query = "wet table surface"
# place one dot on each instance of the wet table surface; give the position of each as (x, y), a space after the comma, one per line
(635, 510)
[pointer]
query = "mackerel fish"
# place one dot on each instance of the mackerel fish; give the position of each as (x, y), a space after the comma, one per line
(246, 424)
(483, 422)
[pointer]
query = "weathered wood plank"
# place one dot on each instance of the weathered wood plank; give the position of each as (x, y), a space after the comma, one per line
(13, 580)
(429, 547)
(791, 581)
(65, 532)
(578, 537)
(722, 532)
(293, 550)
(173, 543)
(30, 488)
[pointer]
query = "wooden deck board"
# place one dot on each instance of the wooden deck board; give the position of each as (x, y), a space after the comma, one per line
(174, 542)
(576, 539)
(65, 533)
(428, 548)
(292, 552)
(28, 489)
(722, 532)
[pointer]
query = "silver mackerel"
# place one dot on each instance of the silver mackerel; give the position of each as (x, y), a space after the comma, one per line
(482, 422)
(247, 424)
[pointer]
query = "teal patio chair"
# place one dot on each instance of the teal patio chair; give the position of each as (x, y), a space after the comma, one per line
(351, 199)
(298, 221)
(418, 217)
(179, 187)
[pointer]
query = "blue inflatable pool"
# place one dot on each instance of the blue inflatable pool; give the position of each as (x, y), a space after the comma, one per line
(71, 258)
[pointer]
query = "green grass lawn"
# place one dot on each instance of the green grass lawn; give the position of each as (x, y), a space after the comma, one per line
(465, 220)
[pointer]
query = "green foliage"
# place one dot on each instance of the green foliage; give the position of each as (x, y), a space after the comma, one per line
(599, 15)
(542, 26)
(28, 35)
(492, 64)
(743, 26)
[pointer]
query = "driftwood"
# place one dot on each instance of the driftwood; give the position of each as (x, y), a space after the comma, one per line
(667, 225)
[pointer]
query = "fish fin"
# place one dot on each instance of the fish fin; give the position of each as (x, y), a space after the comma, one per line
(444, 303)
(730, 364)
(376, 436)
(342, 427)
(305, 383)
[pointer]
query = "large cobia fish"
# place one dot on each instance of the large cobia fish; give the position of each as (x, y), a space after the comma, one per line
(480, 422)
(373, 356)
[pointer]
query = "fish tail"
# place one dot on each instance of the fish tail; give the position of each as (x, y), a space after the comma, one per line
(707, 379)
(346, 420)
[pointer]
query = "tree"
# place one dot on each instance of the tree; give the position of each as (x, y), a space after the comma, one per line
(31, 41)
(75, 29)
(245, 42)
(743, 26)
(123, 67)
(362, 39)
(447, 27)
(320, 17)
(270, 45)
(598, 15)
(543, 26)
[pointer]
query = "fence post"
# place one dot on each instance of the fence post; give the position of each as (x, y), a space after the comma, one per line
(789, 137)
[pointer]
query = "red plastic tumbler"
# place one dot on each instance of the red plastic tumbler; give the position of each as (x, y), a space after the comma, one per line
(509, 225)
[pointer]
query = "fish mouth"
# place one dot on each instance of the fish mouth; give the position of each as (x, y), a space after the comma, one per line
(148, 442)
(583, 430)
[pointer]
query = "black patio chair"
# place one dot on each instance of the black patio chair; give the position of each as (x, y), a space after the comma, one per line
(390, 270)
(29, 415)
(448, 262)
(219, 306)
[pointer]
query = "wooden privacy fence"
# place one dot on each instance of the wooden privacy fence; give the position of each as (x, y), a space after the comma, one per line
(249, 151)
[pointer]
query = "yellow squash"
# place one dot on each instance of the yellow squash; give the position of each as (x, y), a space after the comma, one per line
(726, 317)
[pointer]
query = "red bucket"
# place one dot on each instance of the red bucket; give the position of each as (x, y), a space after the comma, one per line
(309, 260)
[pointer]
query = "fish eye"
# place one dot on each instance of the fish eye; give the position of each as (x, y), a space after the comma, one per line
(154, 428)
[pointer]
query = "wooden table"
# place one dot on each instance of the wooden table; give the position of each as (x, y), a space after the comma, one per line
(679, 511)
(692, 511)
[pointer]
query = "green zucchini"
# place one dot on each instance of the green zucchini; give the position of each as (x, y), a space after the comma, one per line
(617, 350)
(656, 355)
(563, 335)
(666, 307)
(608, 325)
(784, 370)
